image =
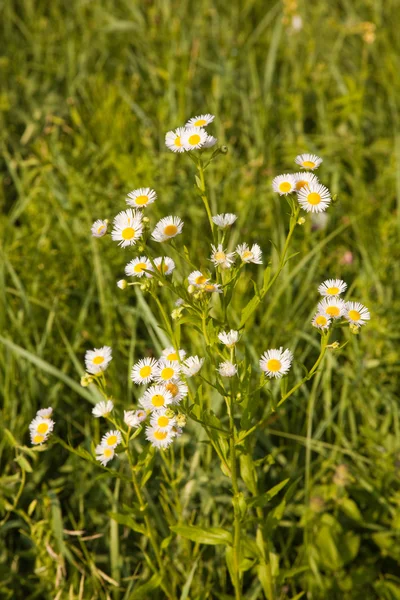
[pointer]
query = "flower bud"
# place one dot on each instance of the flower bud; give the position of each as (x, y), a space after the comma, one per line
(181, 420)
(122, 284)
(301, 221)
(86, 380)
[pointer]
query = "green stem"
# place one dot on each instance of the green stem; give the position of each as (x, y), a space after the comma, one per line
(236, 515)
(203, 194)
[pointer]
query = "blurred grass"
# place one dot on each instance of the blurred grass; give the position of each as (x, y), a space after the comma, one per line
(88, 91)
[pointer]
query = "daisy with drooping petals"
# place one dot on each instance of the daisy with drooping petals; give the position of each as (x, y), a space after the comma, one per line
(141, 197)
(104, 454)
(164, 264)
(144, 370)
(284, 184)
(177, 389)
(99, 228)
(250, 255)
(332, 306)
(128, 228)
(356, 313)
(197, 279)
(222, 258)
(200, 121)
(103, 408)
(97, 360)
(230, 338)
(172, 355)
(173, 140)
(321, 321)
(157, 396)
(122, 284)
(194, 138)
(304, 179)
(314, 198)
(212, 288)
(276, 363)
(167, 228)
(224, 220)
(308, 161)
(227, 369)
(210, 142)
(332, 287)
(138, 267)
(133, 418)
(45, 413)
(192, 365)
(41, 426)
(111, 439)
(166, 370)
(159, 439)
(163, 419)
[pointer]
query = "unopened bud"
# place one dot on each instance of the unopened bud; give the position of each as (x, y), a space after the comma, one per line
(181, 420)
(122, 284)
(86, 380)
(301, 221)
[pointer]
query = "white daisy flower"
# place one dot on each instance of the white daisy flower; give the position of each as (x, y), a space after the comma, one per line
(103, 408)
(250, 255)
(141, 197)
(284, 184)
(192, 365)
(227, 369)
(38, 438)
(144, 370)
(332, 287)
(157, 396)
(230, 338)
(321, 321)
(222, 258)
(197, 279)
(177, 389)
(138, 266)
(173, 140)
(224, 220)
(356, 313)
(159, 439)
(162, 419)
(210, 142)
(276, 363)
(122, 284)
(304, 179)
(97, 360)
(167, 228)
(111, 439)
(128, 228)
(332, 306)
(45, 413)
(172, 355)
(211, 288)
(314, 198)
(200, 121)
(104, 454)
(164, 264)
(99, 228)
(194, 138)
(41, 426)
(308, 161)
(133, 418)
(166, 370)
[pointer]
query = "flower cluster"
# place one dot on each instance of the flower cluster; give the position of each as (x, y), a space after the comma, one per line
(332, 307)
(192, 136)
(105, 451)
(41, 426)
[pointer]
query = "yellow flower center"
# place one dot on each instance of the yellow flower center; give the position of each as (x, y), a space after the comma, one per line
(332, 291)
(158, 400)
(314, 198)
(100, 229)
(140, 200)
(112, 440)
(200, 280)
(160, 435)
(167, 373)
(333, 311)
(194, 139)
(172, 356)
(273, 365)
(170, 230)
(164, 267)
(354, 315)
(209, 288)
(172, 388)
(247, 254)
(145, 371)
(98, 360)
(140, 267)
(128, 233)
(43, 428)
(162, 421)
(200, 123)
(177, 141)
(220, 256)
(38, 439)
(285, 186)
(308, 164)
(301, 184)
(141, 414)
(107, 452)
(321, 320)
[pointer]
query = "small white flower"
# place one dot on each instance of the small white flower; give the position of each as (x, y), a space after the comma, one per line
(200, 121)
(141, 197)
(166, 370)
(99, 228)
(163, 419)
(138, 266)
(222, 258)
(227, 369)
(332, 306)
(38, 438)
(356, 313)
(133, 418)
(97, 360)
(197, 279)
(122, 284)
(321, 321)
(284, 184)
(128, 227)
(144, 370)
(192, 365)
(164, 264)
(172, 355)
(173, 140)
(194, 138)
(308, 161)
(157, 396)
(332, 287)
(297, 23)
(304, 179)
(103, 408)
(224, 220)
(111, 439)
(179, 302)
(104, 454)
(212, 288)
(276, 363)
(230, 338)
(250, 255)
(177, 389)
(41, 426)
(314, 198)
(159, 439)
(45, 413)
(167, 228)
(210, 142)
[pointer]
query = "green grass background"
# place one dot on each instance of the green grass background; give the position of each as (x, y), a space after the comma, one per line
(88, 90)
